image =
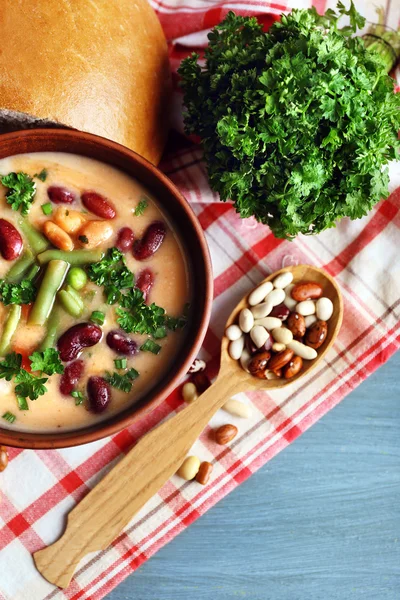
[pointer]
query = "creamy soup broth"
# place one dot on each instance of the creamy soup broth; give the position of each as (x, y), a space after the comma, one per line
(54, 411)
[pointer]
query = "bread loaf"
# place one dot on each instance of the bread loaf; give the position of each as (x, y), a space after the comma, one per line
(95, 65)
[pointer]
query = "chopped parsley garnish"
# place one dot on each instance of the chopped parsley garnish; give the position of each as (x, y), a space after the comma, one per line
(122, 382)
(8, 416)
(21, 191)
(140, 208)
(10, 366)
(97, 317)
(17, 293)
(47, 209)
(79, 397)
(137, 316)
(47, 362)
(83, 239)
(42, 175)
(112, 273)
(27, 385)
(120, 363)
(150, 346)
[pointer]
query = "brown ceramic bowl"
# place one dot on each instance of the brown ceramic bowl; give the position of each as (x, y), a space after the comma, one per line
(192, 237)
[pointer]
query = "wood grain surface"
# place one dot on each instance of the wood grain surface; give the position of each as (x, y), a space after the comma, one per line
(321, 521)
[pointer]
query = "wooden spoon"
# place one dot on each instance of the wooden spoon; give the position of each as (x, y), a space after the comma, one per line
(107, 509)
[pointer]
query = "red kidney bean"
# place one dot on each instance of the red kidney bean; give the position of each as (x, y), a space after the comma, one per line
(201, 381)
(10, 241)
(71, 376)
(99, 394)
(125, 239)
(98, 205)
(121, 343)
(250, 345)
(280, 312)
(150, 242)
(76, 338)
(60, 195)
(145, 281)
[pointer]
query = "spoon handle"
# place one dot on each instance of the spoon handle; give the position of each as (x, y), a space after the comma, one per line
(109, 507)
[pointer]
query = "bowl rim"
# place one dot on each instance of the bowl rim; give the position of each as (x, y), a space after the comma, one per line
(66, 439)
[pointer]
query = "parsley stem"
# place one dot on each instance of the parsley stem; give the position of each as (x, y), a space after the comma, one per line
(51, 283)
(36, 240)
(16, 273)
(10, 326)
(75, 257)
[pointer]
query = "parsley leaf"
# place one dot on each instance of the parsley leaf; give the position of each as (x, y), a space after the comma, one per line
(42, 175)
(10, 366)
(140, 317)
(21, 191)
(140, 208)
(122, 382)
(112, 273)
(47, 362)
(17, 293)
(298, 123)
(29, 386)
(79, 397)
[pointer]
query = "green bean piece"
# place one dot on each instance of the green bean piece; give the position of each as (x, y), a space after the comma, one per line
(77, 278)
(16, 273)
(69, 303)
(10, 327)
(33, 271)
(36, 240)
(76, 296)
(49, 340)
(74, 258)
(51, 283)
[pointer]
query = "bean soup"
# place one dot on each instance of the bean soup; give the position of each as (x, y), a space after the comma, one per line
(94, 291)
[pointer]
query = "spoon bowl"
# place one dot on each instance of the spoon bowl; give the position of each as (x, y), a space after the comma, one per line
(109, 507)
(331, 290)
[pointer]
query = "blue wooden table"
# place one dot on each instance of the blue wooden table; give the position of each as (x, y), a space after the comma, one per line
(321, 521)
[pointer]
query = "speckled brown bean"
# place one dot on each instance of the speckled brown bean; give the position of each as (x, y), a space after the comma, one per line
(297, 325)
(293, 367)
(3, 458)
(204, 473)
(258, 364)
(306, 290)
(316, 334)
(280, 359)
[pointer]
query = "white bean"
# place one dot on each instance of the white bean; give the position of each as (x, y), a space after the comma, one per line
(236, 348)
(278, 347)
(269, 322)
(276, 297)
(259, 335)
(302, 350)
(233, 332)
(259, 293)
(324, 309)
(310, 320)
(189, 392)
(237, 408)
(262, 310)
(246, 320)
(282, 335)
(283, 280)
(289, 301)
(189, 468)
(305, 308)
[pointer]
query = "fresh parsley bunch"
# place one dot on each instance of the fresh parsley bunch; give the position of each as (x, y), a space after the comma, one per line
(21, 191)
(297, 124)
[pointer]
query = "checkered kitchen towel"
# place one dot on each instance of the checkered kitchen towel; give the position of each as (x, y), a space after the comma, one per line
(39, 488)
